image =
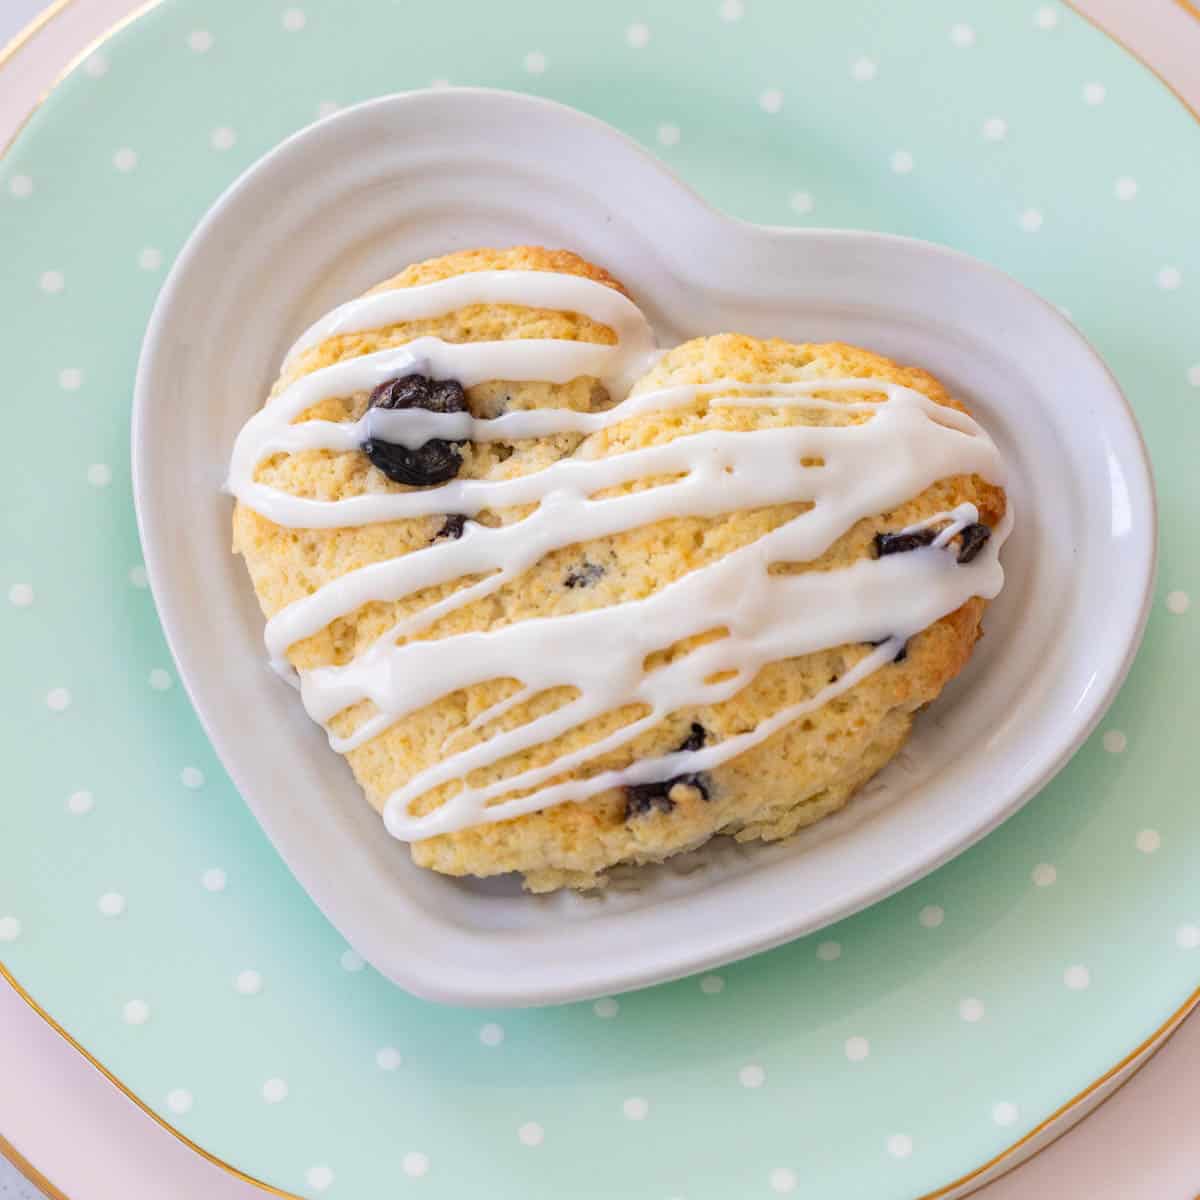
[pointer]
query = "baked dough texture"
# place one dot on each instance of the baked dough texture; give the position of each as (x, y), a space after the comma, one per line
(802, 773)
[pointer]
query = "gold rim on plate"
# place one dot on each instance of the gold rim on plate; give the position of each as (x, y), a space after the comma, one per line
(26, 34)
(26, 1168)
(38, 1179)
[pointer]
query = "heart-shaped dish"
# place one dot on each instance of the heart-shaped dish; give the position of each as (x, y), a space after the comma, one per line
(359, 195)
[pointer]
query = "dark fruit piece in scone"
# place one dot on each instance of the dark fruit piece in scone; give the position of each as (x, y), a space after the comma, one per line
(642, 798)
(452, 528)
(583, 575)
(900, 543)
(438, 460)
(419, 391)
(972, 539)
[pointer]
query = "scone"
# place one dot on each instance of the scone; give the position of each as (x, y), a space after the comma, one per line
(564, 601)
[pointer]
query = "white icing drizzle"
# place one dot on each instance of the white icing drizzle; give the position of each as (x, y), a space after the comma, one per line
(907, 444)
(527, 289)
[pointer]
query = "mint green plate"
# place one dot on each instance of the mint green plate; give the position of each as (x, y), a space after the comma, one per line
(142, 908)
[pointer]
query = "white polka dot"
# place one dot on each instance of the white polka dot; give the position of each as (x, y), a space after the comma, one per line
(52, 282)
(111, 904)
(711, 985)
(732, 10)
(535, 62)
(99, 475)
(80, 803)
(149, 259)
(931, 916)
(1115, 741)
(327, 108)
(351, 961)
(1193, 375)
(387, 1058)
(1168, 278)
(1177, 602)
(637, 35)
(248, 983)
(857, 1048)
(213, 880)
(995, 129)
(1148, 840)
(801, 202)
(222, 138)
(58, 699)
(20, 186)
(829, 951)
(1031, 220)
(1125, 188)
(782, 1181)
(96, 66)
(1187, 937)
(293, 20)
(274, 1091)
(200, 40)
(606, 1006)
(70, 379)
(20, 595)
(491, 1034)
(1093, 93)
(531, 1134)
(771, 100)
(135, 1012)
(125, 159)
(179, 1100)
(1004, 1113)
(191, 777)
(971, 1010)
(318, 1178)
(752, 1076)
(137, 576)
(899, 1145)
(439, 83)
(668, 134)
(415, 1164)
(636, 1108)
(1045, 17)
(1044, 875)
(1077, 978)
(962, 35)
(864, 69)
(902, 162)
(160, 680)
(10, 929)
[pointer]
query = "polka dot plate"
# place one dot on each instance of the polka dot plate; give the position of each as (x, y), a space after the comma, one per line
(890, 1055)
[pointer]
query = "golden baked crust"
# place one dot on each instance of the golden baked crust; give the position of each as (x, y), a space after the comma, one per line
(805, 771)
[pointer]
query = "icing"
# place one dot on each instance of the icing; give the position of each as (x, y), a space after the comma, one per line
(907, 443)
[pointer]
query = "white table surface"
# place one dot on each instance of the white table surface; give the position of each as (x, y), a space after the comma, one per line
(90, 1142)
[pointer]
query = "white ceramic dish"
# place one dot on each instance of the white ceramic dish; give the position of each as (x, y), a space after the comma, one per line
(357, 196)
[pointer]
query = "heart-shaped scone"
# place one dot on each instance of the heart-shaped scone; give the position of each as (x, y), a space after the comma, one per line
(565, 601)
